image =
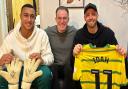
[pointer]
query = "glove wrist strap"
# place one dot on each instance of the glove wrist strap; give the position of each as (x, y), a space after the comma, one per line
(15, 86)
(26, 85)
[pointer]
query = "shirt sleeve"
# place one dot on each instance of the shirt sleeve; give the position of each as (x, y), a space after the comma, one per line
(46, 52)
(4, 48)
(77, 69)
(111, 38)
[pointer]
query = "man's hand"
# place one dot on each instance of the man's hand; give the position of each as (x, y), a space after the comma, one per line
(121, 50)
(35, 56)
(12, 73)
(77, 49)
(30, 74)
(6, 59)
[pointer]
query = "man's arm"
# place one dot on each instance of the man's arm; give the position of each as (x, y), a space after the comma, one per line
(46, 53)
(5, 53)
(112, 40)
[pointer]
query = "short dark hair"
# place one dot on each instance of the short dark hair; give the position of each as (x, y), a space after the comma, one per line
(27, 5)
(90, 6)
(62, 8)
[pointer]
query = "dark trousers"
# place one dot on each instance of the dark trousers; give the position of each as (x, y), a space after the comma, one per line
(124, 87)
(76, 85)
(62, 77)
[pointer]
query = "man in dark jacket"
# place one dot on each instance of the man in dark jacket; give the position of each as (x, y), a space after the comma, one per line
(94, 32)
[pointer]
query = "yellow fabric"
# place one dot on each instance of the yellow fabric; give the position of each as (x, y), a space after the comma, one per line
(109, 59)
(37, 7)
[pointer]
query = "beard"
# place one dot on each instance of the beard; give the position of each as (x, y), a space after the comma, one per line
(91, 24)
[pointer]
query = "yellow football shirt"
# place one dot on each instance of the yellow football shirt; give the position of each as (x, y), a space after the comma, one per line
(100, 68)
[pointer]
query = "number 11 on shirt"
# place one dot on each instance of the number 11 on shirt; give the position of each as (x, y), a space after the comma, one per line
(97, 78)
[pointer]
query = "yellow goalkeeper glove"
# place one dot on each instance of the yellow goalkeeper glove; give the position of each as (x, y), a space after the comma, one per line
(12, 73)
(30, 74)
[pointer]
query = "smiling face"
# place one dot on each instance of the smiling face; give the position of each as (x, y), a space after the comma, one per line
(62, 19)
(27, 18)
(91, 17)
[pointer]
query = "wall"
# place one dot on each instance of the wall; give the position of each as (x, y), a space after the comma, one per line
(115, 17)
(110, 13)
(48, 14)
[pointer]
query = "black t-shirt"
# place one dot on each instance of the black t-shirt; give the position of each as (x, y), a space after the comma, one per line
(103, 36)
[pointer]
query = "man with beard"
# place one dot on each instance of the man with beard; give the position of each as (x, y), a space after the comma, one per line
(94, 32)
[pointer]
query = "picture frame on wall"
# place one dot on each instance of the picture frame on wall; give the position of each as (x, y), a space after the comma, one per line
(72, 3)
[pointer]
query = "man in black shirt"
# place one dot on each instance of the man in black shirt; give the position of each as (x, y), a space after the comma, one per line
(94, 32)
